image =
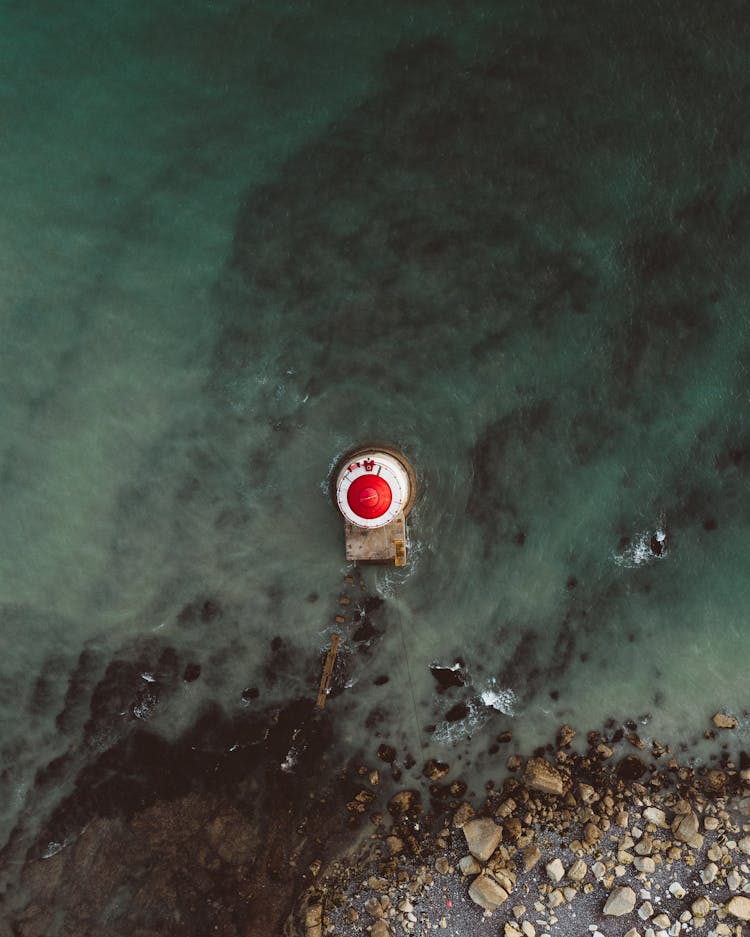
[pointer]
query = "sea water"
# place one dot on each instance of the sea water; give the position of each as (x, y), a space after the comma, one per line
(238, 239)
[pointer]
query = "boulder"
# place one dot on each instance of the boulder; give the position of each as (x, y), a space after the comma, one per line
(531, 854)
(591, 833)
(487, 893)
(469, 865)
(621, 901)
(395, 844)
(380, 929)
(404, 802)
(631, 768)
(483, 836)
(555, 870)
(504, 878)
(577, 871)
(374, 907)
(656, 816)
(685, 826)
(540, 775)
(435, 770)
(513, 829)
(464, 813)
(387, 753)
(738, 906)
(314, 920)
(442, 864)
(724, 721)
(701, 906)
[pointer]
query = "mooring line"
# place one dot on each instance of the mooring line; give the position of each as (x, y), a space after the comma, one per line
(411, 682)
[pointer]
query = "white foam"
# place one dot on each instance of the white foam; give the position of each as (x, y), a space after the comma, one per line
(639, 552)
(447, 733)
(503, 700)
(287, 765)
(52, 850)
(481, 709)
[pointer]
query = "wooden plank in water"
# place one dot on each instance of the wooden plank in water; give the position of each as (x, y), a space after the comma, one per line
(325, 680)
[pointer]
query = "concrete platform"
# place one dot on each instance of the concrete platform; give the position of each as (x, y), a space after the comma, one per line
(381, 545)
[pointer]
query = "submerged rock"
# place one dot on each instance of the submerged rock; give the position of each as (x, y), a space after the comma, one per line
(191, 672)
(386, 753)
(724, 721)
(404, 802)
(435, 770)
(631, 768)
(457, 712)
(449, 676)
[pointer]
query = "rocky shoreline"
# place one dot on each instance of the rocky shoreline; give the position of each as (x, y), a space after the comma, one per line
(600, 842)
(250, 826)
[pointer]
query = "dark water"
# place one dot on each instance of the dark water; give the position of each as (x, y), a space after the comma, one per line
(240, 239)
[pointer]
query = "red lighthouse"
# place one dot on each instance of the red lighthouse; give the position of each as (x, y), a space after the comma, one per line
(374, 489)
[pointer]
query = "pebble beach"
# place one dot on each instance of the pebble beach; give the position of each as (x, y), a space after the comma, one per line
(619, 840)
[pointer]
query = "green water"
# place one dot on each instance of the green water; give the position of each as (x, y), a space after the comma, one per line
(239, 239)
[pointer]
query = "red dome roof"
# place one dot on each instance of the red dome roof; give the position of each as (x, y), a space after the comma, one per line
(369, 496)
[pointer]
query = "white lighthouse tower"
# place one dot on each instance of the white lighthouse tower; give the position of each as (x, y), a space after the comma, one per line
(374, 488)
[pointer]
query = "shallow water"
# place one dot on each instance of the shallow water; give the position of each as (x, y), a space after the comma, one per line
(239, 240)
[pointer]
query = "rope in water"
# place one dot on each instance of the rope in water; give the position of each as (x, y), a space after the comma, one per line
(345, 599)
(411, 682)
